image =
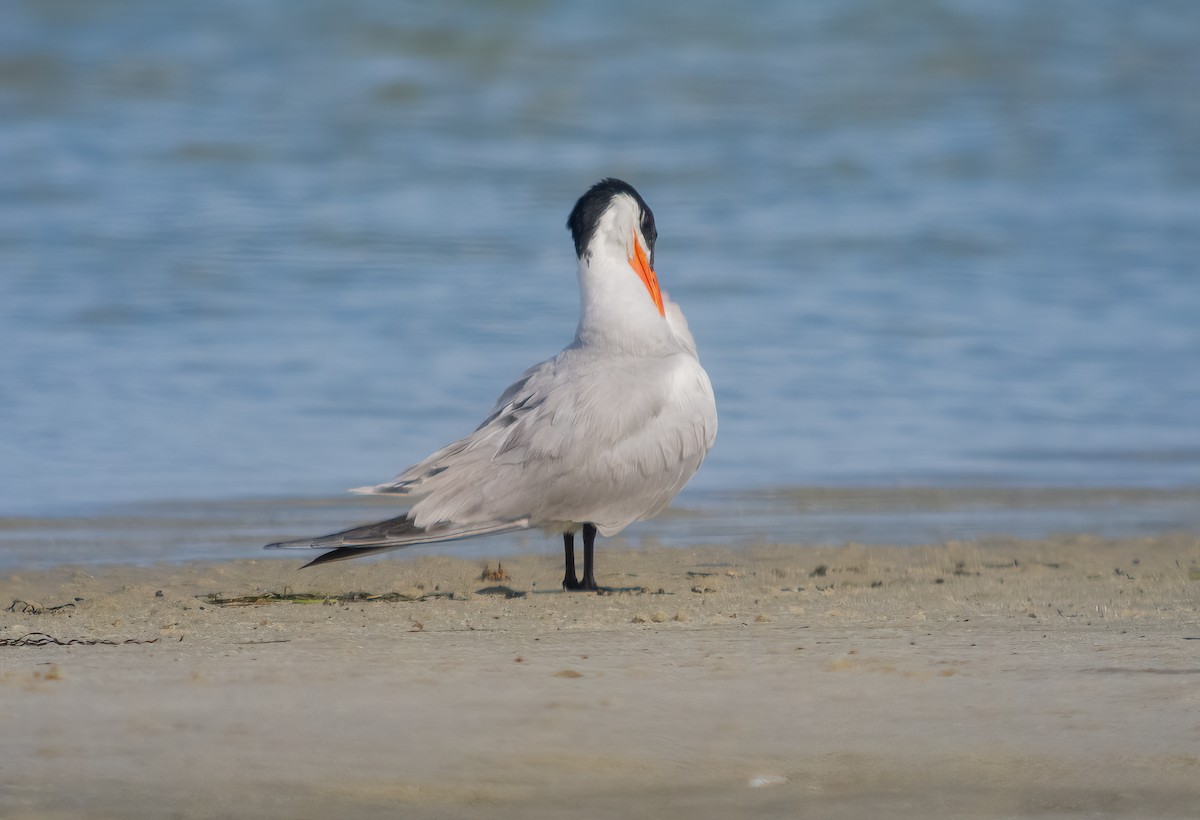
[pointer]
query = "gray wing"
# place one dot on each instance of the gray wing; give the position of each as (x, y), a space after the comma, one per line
(517, 401)
(402, 531)
(578, 438)
(385, 535)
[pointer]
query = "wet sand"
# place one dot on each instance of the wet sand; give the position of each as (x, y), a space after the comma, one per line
(996, 678)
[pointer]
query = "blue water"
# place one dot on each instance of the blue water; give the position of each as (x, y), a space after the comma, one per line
(273, 249)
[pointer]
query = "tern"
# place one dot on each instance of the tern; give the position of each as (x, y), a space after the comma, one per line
(603, 434)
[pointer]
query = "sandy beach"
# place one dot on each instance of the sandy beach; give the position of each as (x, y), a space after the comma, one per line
(997, 678)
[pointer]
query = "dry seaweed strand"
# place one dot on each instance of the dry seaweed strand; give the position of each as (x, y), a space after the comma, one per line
(287, 596)
(34, 608)
(42, 639)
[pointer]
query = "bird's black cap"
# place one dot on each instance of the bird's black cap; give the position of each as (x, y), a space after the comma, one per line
(585, 216)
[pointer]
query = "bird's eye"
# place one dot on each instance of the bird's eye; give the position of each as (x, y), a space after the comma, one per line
(649, 231)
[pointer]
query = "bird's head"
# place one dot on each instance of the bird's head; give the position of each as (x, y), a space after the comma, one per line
(613, 227)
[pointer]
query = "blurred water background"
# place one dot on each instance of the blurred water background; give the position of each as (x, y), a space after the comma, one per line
(256, 251)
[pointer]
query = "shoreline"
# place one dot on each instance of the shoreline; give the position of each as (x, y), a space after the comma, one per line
(975, 679)
(183, 531)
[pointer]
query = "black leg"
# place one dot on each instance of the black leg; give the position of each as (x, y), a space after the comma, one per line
(569, 580)
(589, 555)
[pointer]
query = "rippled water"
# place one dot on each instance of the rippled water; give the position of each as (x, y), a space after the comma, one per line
(274, 249)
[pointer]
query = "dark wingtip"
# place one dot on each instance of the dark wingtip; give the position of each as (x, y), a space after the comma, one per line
(367, 539)
(283, 545)
(346, 553)
(340, 554)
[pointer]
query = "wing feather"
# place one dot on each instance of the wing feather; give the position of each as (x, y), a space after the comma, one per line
(582, 437)
(394, 533)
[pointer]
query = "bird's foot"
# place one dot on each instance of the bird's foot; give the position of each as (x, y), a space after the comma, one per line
(586, 585)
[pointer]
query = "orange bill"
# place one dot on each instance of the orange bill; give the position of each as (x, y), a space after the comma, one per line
(641, 266)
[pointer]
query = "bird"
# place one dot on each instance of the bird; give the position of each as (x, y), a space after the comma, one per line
(603, 434)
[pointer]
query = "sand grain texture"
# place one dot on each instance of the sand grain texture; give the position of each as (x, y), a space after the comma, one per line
(1055, 678)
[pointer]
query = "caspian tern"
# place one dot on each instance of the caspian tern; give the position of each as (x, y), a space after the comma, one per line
(604, 434)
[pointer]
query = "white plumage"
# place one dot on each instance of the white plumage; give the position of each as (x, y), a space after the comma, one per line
(603, 434)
